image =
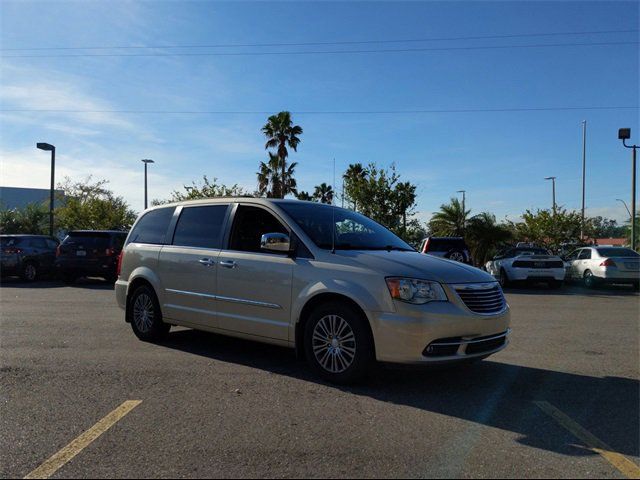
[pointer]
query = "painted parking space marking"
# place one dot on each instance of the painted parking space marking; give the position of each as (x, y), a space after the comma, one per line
(620, 462)
(57, 460)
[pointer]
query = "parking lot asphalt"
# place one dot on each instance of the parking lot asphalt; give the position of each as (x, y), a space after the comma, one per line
(211, 406)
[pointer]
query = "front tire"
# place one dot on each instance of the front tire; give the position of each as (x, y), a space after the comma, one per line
(29, 272)
(504, 278)
(338, 344)
(143, 311)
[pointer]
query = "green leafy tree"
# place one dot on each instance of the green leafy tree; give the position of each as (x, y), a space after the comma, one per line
(323, 193)
(405, 194)
(91, 205)
(281, 134)
(484, 236)
(547, 229)
(450, 220)
(206, 189)
(272, 181)
(32, 219)
(306, 196)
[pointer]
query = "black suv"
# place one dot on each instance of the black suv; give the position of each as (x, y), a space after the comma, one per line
(28, 256)
(91, 253)
(453, 248)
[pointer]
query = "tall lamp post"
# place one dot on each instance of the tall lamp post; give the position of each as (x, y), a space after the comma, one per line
(146, 161)
(625, 206)
(50, 148)
(624, 134)
(584, 173)
(553, 180)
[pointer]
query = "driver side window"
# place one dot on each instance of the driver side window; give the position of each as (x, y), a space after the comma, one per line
(585, 254)
(249, 225)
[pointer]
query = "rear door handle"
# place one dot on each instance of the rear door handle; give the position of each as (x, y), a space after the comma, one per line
(228, 264)
(207, 262)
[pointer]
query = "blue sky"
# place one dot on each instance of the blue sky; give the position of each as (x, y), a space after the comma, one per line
(500, 158)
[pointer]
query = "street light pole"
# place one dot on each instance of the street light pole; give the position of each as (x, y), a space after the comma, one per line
(146, 161)
(584, 165)
(624, 134)
(625, 206)
(553, 180)
(50, 148)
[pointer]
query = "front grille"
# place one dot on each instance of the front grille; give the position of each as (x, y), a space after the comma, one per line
(537, 264)
(482, 298)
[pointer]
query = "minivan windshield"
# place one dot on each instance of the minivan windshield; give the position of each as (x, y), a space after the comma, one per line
(353, 231)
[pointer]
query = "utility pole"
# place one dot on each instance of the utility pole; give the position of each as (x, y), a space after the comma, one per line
(50, 148)
(584, 165)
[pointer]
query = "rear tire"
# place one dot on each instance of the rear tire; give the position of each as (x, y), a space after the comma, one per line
(29, 272)
(143, 312)
(338, 343)
(456, 256)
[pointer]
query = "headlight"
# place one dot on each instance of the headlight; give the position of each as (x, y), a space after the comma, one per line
(415, 291)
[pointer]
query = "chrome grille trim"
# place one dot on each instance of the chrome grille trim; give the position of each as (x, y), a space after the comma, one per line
(482, 298)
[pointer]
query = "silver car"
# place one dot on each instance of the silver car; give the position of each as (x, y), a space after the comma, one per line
(596, 265)
(331, 283)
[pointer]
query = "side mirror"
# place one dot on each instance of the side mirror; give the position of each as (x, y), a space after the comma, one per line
(275, 242)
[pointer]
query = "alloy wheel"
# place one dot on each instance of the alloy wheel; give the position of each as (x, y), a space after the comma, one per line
(457, 257)
(334, 344)
(30, 272)
(143, 312)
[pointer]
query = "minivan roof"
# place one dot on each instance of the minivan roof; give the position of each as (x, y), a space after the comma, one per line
(257, 200)
(24, 235)
(97, 231)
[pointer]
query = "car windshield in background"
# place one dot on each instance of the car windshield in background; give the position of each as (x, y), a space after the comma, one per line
(88, 239)
(10, 241)
(446, 244)
(617, 252)
(532, 251)
(353, 231)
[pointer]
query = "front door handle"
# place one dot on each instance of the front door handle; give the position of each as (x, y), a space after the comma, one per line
(228, 264)
(207, 262)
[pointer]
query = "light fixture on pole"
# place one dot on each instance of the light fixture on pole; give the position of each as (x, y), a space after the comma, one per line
(146, 161)
(625, 205)
(624, 134)
(553, 180)
(50, 148)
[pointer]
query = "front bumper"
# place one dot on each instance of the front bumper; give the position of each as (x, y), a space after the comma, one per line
(404, 336)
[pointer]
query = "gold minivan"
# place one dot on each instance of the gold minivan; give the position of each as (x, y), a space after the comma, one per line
(333, 284)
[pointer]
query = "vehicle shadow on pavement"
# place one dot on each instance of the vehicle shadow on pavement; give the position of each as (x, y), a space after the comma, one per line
(489, 393)
(88, 283)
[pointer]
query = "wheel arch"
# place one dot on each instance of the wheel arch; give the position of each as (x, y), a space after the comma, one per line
(320, 299)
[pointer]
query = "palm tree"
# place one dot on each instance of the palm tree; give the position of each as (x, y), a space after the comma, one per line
(281, 133)
(406, 197)
(272, 183)
(306, 196)
(450, 220)
(323, 193)
(352, 177)
(484, 234)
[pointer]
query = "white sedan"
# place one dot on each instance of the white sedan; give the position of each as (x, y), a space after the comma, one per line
(521, 264)
(594, 265)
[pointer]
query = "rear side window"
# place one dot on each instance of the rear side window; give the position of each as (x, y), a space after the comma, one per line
(88, 240)
(200, 226)
(585, 254)
(38, 243)
(617, 252)
(51, 243)
(152, 227)
(11, 241)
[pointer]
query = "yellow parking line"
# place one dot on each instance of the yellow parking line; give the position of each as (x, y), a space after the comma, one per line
(623, 464)
(49, 467)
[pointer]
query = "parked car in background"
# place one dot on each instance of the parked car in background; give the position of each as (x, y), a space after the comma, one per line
(339, 288)
(453, 248)
(29, 256)
(527, 264)
(596, 265)
(91, 253)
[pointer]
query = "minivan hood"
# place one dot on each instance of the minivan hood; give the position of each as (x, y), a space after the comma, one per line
(415, 265)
